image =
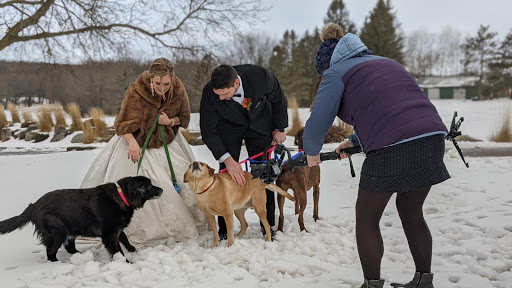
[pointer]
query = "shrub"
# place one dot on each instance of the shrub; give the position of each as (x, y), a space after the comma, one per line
(100, 127)
(45, 119)
(27, 118)
(76, 117)
(3, 118)
(88, 132)
(296, 123)
(186, 134)
(58, 113)
(15, 115)
(504, 134)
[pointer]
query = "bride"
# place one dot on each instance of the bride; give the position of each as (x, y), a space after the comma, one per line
(174, 216)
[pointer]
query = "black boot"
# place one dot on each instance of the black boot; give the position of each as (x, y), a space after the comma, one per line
(420, 280)
(373, 283)
(272, 233)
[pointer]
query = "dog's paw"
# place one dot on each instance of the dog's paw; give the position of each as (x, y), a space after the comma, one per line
(130, 248)
(215, 243)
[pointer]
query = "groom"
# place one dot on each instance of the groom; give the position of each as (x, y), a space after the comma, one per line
(243, 102)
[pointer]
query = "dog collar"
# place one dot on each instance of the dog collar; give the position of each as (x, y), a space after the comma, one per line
(120, 191)
(208, 187)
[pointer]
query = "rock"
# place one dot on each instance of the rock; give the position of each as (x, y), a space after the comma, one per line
(5, 134)
(32, 127)
(195, 141)
(39, 137)
(60, 130)
(29, 135)
(78, 138)
(21, 135)
(59, 137)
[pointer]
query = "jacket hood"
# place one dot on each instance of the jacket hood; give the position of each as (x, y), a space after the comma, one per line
(348, 46)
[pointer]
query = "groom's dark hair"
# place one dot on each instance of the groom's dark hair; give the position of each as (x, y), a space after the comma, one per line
(223, 76)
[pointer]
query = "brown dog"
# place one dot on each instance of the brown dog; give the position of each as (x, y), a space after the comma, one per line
(218, 194)
(300, 180)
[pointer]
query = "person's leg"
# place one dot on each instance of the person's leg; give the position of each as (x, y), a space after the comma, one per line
(255, 143)
(369, 209)
(410, 209)
(233, 143)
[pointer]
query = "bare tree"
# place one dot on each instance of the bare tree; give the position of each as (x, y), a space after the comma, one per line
(252, 48)
(420, 55)
(106, 28)
(434, 54)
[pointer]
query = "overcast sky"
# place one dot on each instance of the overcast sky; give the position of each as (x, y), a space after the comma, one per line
(464, 16)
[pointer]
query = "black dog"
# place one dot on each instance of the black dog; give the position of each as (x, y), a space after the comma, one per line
(103, 211)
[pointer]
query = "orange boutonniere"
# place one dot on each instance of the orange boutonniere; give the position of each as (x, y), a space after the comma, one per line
(247, 103)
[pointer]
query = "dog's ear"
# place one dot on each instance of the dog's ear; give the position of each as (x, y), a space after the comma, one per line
(211, 170)
(185, 177)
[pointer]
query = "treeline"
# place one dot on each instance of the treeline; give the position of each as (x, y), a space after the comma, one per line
(291, 59)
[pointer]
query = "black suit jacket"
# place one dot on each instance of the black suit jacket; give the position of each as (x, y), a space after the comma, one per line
(267, 112)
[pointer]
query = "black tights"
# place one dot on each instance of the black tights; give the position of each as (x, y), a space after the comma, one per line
(369, 209)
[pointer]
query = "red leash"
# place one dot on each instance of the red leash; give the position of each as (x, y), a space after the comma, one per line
(255, 156)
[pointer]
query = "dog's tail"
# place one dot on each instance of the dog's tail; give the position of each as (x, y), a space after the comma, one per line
(16, 222)
(278, 189)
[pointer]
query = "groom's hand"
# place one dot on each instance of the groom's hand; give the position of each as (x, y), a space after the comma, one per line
(235, 171)
(279, 137)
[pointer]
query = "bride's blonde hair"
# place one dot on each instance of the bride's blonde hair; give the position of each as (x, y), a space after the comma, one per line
(161, 67)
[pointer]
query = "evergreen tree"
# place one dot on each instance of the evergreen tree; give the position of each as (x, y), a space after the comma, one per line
(381, 33)
(201, 77)
(500, 78)
(303, 68)
(481, 50)
(339, 15)
(281, 60)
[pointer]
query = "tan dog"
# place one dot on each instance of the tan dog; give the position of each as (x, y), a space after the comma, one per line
(300, 180)
(218, 194)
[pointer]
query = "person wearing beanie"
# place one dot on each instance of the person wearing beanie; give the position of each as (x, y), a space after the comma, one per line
(330, 36)
(402, 135)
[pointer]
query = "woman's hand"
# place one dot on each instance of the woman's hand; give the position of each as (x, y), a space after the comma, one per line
(134, 151)
(133, 147)
(313, 160)
(163, 119)
(344, 145)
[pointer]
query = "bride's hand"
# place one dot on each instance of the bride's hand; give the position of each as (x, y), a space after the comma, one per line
(163, 119)
(134, 151)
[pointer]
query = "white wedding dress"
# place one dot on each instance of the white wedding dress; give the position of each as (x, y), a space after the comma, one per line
(173, 216)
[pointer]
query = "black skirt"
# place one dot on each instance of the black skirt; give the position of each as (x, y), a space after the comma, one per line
(405, 167)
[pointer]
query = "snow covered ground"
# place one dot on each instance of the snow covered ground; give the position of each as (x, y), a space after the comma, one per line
(470, 217)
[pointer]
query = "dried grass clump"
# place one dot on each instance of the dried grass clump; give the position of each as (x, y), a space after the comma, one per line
(186, 134)
(15, 115)
(58, 113)
(76, 117)
(89, 133)
(339, 132)
(3, 118)
(504, 134)
(100, 127)
(296, 123)
(27, 118)
(45, 119)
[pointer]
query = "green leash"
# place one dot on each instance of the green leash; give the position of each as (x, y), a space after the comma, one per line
(162, 135)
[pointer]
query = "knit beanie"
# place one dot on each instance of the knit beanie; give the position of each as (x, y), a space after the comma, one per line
(330, 36)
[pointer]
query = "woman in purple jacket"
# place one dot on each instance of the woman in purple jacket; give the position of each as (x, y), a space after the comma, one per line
(402, 135)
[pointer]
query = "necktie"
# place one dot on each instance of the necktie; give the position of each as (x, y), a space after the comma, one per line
(237, 95)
